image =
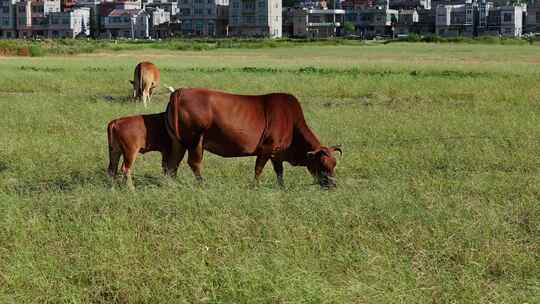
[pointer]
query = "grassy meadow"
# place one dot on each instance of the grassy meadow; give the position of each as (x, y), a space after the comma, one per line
(437, 199)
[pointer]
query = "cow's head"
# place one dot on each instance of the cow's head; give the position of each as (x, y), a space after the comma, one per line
(321, 164)
(134, 88)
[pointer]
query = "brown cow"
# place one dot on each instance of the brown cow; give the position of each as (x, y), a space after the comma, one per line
(128, 136)
(271, 127)
(145, 80)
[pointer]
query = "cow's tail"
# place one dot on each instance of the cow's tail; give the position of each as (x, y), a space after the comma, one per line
(114, 149)
(171, 116)
(141, 86)
(171, 89)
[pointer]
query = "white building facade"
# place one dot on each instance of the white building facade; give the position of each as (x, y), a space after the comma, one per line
(69, 24)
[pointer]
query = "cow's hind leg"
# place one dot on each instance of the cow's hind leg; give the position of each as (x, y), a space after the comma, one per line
(172, 159)
(129, 159)
(278, 168)
(195, 156)
(260, 162)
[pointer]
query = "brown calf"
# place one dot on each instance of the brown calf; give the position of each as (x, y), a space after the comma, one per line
(145, 80)
(128, 136)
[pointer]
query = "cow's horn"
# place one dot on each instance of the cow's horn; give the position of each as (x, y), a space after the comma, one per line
(311, 153)
(337, 148)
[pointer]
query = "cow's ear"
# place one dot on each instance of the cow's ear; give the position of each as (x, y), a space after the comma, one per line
(131, 81)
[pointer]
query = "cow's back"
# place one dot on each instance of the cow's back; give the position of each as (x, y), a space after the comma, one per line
(231, 125)
(142, 132)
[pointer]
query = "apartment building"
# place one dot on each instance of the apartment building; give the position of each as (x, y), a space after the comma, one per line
(317, 22)
(455, 20)
(255, 18)
(69, 24)
(32, 17)
(406, 23)
(126, 23)
(504, 21)
(532, 24)
(8, 26)
(204, 17)
(374, 21)
(410, 4)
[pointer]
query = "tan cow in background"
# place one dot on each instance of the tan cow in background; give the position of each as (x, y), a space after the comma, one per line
(145, 80)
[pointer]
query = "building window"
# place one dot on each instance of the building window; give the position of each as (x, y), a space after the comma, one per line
(198, 12)
(209, 1)
(22, 9)
(185, 11)
(235, 4)
(248, 5)
(209, 12)
(538, 17)
(185, 1)
(199, 27)
(186, 25)
(5, 9)
(507, 17)
(37, 9)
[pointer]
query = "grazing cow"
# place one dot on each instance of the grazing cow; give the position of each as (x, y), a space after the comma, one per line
(128, 136)
(145, 80)
(270, 127)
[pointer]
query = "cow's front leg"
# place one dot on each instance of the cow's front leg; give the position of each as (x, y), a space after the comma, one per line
(278, 168)
(195, 156)
(259, 166)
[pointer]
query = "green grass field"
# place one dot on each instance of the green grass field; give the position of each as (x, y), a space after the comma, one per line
(437, 199)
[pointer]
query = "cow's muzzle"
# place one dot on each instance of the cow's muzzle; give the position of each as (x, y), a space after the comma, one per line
(327, 182)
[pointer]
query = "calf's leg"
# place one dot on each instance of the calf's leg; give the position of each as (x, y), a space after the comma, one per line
(129, 159)
(114, 158)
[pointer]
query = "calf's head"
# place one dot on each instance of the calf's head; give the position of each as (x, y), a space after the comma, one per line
(321, 164)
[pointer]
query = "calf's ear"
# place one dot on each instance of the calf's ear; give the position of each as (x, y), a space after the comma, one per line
(131, 81)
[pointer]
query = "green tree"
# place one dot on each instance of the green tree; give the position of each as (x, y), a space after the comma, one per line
(349, 27)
